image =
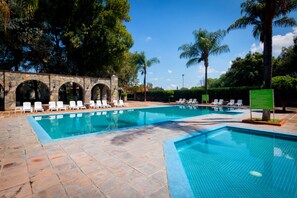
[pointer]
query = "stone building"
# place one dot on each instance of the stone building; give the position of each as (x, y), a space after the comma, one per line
(50, 87)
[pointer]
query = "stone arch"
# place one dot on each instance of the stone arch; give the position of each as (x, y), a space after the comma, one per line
(70, 91)
(2, 96)
(100, 91)
(31, 91)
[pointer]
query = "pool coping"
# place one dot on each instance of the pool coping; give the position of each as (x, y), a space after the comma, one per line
(178, 183)
(44, 138)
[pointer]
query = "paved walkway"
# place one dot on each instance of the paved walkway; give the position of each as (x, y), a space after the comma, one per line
(122, 164)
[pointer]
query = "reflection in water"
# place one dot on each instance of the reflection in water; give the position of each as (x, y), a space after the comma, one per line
(254, 165)
(102, 121)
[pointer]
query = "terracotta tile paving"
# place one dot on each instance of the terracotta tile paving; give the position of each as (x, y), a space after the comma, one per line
(123, 164)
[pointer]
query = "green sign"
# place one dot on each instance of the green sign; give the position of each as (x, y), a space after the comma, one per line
(205, 97)
(262, 99)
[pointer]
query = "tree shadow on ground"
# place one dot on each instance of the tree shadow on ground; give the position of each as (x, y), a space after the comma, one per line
(188, 126)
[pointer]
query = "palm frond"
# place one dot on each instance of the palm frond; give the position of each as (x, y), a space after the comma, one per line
(285, 22)
(192, 62)
(220, 49)
(5, 13)
(152, 61)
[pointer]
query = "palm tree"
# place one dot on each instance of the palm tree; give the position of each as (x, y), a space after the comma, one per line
(143, 63)
(206, 44)
(263, 14)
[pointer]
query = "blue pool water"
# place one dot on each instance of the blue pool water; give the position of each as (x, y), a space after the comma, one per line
(236, 162)
(67, 125)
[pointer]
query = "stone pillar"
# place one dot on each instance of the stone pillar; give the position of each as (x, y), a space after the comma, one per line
(114, 95)
(88, 89)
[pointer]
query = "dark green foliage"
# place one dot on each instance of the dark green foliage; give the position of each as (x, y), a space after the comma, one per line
(285, 90)
(68, 37)
(247, 71)
(226, 93)
(287, 61)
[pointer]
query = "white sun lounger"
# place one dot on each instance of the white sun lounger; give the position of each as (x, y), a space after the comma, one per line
(52, 106)
(239, 102)
(104, 104)
(60, 105)
(98, 104)
(80, 105)
(27, 107)
(122, 104)
(38, 106)
(72, 105)
(231, 103)
(215, 102)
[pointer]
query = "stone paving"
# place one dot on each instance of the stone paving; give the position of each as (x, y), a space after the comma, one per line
(121, 164)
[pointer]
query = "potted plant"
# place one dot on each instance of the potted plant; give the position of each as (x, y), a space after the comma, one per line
(124, 96)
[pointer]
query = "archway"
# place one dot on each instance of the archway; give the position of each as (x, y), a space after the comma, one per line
(100, 92)
(70, 91)
(2, 96)
(31, 91)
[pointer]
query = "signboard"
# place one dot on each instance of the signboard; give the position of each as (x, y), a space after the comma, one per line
(262, 99)
(205, 97)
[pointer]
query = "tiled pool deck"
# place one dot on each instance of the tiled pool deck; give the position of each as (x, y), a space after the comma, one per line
(124, 164)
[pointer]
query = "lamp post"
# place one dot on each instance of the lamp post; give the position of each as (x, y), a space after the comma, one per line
(183, 75)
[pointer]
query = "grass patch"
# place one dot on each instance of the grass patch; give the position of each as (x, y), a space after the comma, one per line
(275, 122)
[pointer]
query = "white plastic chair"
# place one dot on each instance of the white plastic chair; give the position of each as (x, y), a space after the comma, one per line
(104, 104)
(221, 102)
(92, 104)
(231, 103)
(122, 104)
(194, 101)
(239, 102)
(215, 102)
(98, 103)
(179, 101)
(80, 105)
(60, 105)
(27, 107)
(72, 105)
(115, 103)
(52, 106)
(190, 101)
(38, 106)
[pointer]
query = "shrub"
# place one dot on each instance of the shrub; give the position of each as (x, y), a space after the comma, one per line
(285, 90)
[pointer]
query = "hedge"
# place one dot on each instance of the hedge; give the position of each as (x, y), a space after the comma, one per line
(225, 93)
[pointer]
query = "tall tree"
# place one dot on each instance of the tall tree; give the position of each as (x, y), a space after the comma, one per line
(206, 44)
(263, 14)
(143, 63)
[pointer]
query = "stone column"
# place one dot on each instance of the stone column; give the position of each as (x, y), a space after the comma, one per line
(114, 95)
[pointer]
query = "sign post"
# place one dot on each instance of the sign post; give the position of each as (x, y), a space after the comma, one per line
(262, 99)
(205, 97)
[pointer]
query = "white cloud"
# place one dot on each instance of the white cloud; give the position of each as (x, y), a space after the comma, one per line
(210, 70)
(150, 73)
(223, 72)
(172, 86)
(155, 79)
(168, 79)
(169, 71)
(148, 38)
(278, 42)
(230, 64)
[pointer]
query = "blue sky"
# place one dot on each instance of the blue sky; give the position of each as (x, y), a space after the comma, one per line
(159, 27)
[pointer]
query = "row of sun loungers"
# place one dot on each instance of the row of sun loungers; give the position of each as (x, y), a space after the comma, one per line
(231, 103)
(59, 105)
(184, 101)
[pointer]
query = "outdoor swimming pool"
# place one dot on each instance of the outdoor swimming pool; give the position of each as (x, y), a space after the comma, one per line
(232, 162)
(53, 127)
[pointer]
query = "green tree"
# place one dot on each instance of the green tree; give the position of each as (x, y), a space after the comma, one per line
(143, 63)
(206, 44)
(128, 72)
(247, 71)
(287, 61)
(263, 14)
